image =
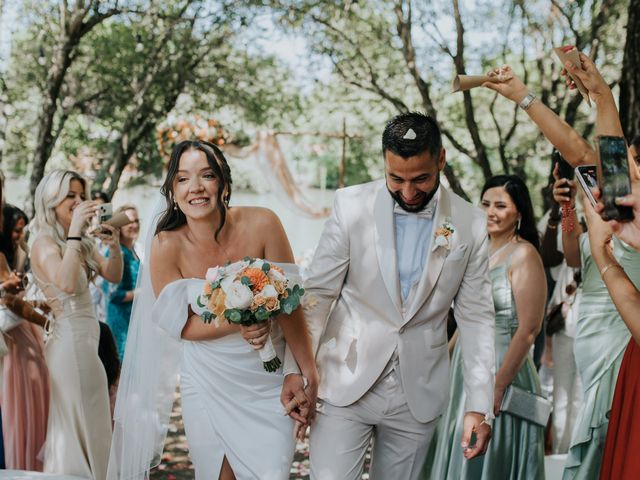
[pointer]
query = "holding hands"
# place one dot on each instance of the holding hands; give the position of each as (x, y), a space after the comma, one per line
(474, 423)
(299, 393)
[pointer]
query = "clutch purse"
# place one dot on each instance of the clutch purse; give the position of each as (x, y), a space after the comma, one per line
(526, 405)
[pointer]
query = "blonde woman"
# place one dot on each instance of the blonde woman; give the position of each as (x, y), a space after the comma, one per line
(64, 259)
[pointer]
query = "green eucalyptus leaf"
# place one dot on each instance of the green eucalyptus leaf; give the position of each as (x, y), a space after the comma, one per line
(233, 315)
(207, 317)
(262, 314)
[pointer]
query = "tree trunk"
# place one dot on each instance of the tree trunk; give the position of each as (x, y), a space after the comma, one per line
(75, 27)
(630, 78)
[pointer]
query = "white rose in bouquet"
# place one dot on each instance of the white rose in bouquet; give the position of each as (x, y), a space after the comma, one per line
(276, 276)
(233, 269)
(269, 291)
(257, 263)
(239, 296)
(213, 274)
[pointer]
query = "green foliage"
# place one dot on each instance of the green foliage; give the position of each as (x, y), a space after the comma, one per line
(368, 58)
(207, 317)
(294, 295)
(134, 69)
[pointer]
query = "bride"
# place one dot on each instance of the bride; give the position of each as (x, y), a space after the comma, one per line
(232, 409)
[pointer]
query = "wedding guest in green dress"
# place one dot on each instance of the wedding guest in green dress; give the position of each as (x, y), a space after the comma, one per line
(120, 296)
(516, 449)
(600, 338)
(600, 343)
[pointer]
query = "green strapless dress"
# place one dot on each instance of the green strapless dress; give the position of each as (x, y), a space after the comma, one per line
(601, 339)
(516, 449)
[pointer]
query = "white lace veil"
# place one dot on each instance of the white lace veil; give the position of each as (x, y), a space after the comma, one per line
(147, 381)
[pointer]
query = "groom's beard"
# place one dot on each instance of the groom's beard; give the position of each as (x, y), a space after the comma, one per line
(426, 198)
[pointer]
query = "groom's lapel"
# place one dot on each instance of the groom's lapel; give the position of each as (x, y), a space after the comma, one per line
(435, 256)
(385, 242)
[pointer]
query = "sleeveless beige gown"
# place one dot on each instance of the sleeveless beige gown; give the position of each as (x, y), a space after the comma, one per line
(79, 426)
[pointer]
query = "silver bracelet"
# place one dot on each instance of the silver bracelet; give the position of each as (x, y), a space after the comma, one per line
(527, 101)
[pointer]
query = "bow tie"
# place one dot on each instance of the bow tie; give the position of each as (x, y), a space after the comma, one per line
(426, 212)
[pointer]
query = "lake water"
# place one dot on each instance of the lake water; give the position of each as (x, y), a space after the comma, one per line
(303, 232)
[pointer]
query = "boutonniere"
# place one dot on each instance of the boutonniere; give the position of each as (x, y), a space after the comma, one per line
(442, 234)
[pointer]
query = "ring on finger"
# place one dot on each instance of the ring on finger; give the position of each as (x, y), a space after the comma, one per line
(251, 341)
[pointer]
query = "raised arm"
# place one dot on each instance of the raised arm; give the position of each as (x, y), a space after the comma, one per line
(111, 267)
(607, 118)
(63, 269)
(564, 192)
(575, 149)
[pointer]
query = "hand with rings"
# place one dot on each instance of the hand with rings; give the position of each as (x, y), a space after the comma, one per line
(256, 335)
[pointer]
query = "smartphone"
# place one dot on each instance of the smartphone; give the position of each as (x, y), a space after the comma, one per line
(613, 177)
(105, 212)
(564, 169)
(587, 178)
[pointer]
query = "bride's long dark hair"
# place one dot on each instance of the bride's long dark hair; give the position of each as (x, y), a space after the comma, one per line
(173, 218)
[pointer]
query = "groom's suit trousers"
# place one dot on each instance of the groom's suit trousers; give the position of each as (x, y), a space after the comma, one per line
(340, 436)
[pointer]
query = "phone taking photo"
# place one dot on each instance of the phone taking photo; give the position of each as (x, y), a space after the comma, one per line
(613, 177)
(564, 169)
(103, 215)
(587, 179)
(105, 212)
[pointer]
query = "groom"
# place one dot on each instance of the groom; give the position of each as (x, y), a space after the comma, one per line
(393, 257)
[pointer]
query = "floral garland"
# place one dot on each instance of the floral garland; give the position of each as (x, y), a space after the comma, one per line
(195, 128)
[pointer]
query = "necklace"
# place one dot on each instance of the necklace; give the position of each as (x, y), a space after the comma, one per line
(491, 256)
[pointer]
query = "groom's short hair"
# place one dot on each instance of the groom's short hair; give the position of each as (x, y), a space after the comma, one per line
(427, 136)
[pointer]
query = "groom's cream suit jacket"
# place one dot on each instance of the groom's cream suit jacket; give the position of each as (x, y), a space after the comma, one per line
(357, 318)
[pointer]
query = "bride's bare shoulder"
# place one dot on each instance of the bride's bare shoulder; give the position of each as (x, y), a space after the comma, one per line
(166, 241)
(258, 216)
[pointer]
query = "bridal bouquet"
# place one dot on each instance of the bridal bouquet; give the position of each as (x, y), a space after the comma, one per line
(247, 292)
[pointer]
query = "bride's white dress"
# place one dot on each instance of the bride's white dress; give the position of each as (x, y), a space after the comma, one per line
(230, 404)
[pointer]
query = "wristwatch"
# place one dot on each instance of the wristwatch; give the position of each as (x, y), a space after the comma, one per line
(527, 101)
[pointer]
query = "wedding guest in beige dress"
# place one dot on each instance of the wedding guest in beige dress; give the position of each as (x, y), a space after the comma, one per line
(64, 259)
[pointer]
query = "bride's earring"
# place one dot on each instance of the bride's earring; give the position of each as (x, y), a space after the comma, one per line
(519, 222)
(175, 205)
